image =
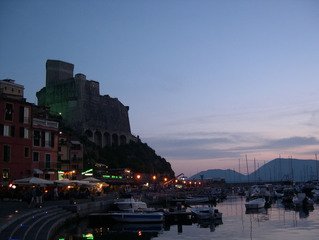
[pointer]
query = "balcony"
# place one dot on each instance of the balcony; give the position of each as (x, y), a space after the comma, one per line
(45, 123)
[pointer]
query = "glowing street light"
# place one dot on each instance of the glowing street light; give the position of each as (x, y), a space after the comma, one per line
(154, 177)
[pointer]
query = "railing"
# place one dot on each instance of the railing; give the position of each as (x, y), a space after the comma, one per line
(45, 123)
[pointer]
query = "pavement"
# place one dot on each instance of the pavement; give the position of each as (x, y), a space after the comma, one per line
(10, 210)
(13, 209)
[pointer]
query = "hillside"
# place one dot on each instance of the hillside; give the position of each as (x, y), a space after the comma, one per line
(279, 169)
(137, 156)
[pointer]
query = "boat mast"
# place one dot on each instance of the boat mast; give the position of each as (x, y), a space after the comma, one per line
(255, 169)
(316, 166)
(247, 168)
(239, 170)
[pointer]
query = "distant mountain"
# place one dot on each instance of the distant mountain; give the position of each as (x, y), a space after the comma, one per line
(287, 169)
(228, 175)
(278, 169)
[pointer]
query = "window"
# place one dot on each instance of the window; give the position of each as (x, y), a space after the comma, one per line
(8, 112)
(36, 138)
(21, 114)
(6, 153)
(47, 139)
(8, 131)
(26, 152)
(42, 139)
(5, 174)
(24, 132)
(47, 160)
(26, 115)
(35, 157)
(21, 132)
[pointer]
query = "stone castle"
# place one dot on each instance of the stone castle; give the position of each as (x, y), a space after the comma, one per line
(103, 119)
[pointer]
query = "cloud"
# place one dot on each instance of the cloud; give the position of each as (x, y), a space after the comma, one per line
(223, 145)
(200, 145)
(290, 142)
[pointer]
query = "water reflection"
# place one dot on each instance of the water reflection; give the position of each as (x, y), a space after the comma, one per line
(128, 231)
(132, 231)
(276, 222)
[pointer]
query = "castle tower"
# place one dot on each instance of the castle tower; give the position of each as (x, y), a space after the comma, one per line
(56, 71)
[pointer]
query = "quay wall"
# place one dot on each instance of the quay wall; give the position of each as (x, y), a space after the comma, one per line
(78, 211)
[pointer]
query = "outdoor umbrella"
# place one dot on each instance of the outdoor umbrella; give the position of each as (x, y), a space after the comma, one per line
(32, 181)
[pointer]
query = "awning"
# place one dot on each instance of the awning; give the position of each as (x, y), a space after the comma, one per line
(37, 171)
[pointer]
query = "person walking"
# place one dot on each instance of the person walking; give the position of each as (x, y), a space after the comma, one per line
(55, 193)
(33, 197)
(39, 196)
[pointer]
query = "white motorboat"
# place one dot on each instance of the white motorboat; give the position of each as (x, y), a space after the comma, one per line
(255, 203)
(128, 204)
(130, 210)
(205, 212)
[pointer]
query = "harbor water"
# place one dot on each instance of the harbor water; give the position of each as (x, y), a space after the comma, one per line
(275, 222)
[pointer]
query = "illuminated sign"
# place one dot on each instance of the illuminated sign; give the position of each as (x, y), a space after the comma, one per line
(112, 177)
(88, 236)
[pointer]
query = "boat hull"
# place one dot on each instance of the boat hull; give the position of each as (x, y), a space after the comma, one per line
(132, 217)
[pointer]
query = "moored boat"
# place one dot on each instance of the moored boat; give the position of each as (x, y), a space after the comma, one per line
(130, 210)
(255, 203)
(205, 212)
(301, 200)
(128, 204)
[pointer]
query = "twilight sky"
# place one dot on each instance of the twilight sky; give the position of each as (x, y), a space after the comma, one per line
(207, 82)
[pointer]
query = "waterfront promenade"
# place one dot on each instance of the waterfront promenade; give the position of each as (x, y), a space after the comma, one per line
(18, 221)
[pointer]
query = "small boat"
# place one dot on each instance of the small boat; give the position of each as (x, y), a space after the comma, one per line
(205, 212)
(278, 194)
(298, 199)
(255, 203)
(301, 200)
